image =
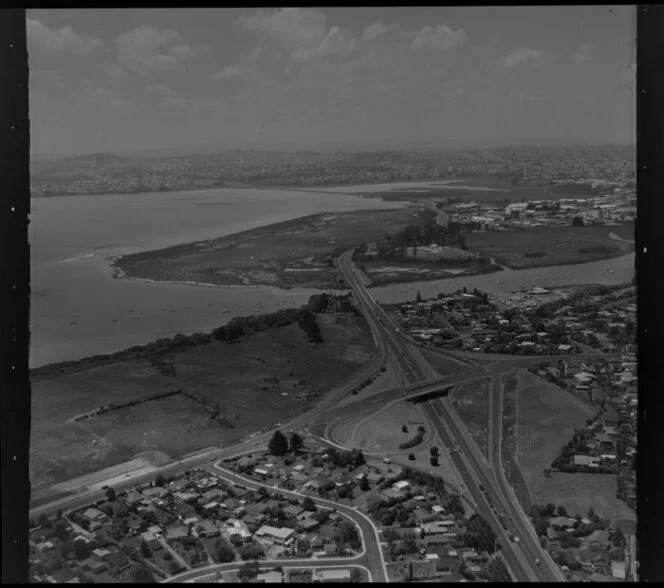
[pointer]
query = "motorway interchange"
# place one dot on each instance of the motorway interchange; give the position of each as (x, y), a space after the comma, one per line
(485, 482)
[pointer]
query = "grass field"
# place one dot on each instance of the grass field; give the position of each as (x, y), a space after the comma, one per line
(289, 254)
(382, 432)
(268, 370)
(578, 492)
(547, 418)
(471, 402)
(445, 366)
(551, 245)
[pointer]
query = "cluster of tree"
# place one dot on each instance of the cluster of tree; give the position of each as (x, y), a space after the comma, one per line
(479, 535)
(413, 236)
(307, 322)
(497, 571)
(353, 458)
(347, 533)
(248, 571)
(416, 440)
(253, 550)
(389, 511)
(279, 445)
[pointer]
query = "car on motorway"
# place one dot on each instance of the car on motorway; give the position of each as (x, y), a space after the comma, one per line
(537, 561)
(387, 460)
(256, 442)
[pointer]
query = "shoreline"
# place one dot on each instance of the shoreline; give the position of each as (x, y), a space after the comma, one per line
(293, 187)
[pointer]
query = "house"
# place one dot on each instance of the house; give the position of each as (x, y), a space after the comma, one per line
(256, 520)
(422, 516)
(308, 524)
(342, 481)
(132, 498)
(99, 554)
(618, 569)
(117, 560)
(187, 497)
(299, 477)
(600, 538)
(94, 514)
(270, 577)
(293, 510)
(437, 509)
(401, 486)
(61, 576)
(207, 529)
(94, 566)
(334, 575)
(375, 477)
(586, 460)
(179, 485)
(177, 532)
(422, 569)
(330, 549)
(437, 527)
(156, 492)
(562, 522)
(602, 578)
(298, 468)
(261, 471)
(281, 536)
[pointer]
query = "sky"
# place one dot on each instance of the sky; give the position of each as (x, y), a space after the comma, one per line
(111, 80)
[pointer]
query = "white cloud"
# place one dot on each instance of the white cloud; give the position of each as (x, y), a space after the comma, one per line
(440, 38)
(60, 40)
(377, 29)
(585, 53)
(524, 56)
(145, 48)
(237, 72)
(338, 43)
(288, 27)
(159, 89)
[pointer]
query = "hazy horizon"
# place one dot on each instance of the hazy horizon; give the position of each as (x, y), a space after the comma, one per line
(133, 81)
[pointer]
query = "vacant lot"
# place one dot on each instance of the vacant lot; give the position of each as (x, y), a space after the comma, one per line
(543, 246)
(289, 254)
(578, 492)
(547, 417)
(276, 370)
(471, 401)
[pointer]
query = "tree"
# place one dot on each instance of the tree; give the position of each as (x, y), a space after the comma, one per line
(355, 575)
(434, 460)
(110, 494)
(404, 429)
(434, 451)
(141, 575)
(418, 296)
(43, 521)
(145, 550)
(60, 530)
(497, 571)
(592, 516)
(159, 480)
(411, 456)
(364, 484)
(225, 553)
(251, 551)
(618, 538)
(309, 505)
(249, 570)
(296, 442)
(562, 511)
(278, 444)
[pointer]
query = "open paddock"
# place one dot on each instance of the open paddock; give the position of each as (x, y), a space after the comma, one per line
(546, 246)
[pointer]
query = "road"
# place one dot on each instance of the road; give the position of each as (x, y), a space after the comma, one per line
(372, 555)
(521, 557)
(265, 565)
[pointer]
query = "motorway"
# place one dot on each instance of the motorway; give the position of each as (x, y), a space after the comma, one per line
(521, 557)
(419, 379)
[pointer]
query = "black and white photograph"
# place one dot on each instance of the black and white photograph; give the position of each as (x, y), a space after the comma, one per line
(340, 294)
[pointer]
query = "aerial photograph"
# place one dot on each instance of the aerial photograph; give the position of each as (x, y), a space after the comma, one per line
(333, 294)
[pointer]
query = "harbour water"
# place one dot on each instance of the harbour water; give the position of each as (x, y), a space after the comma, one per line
(78, 309)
